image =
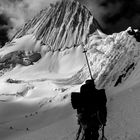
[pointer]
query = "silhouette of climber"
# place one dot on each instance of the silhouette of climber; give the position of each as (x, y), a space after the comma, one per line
(91, 110)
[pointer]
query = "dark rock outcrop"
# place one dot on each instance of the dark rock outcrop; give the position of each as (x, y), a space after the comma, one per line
(18, 57)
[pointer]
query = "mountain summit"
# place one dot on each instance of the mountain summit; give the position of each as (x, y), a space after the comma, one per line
(61, 25)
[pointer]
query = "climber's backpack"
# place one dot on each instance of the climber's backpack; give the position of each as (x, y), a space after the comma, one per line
(75, 100)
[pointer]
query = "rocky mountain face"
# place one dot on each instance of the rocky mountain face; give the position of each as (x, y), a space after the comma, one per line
(61, 25)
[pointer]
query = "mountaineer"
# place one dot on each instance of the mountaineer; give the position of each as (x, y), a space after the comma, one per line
(91, 111)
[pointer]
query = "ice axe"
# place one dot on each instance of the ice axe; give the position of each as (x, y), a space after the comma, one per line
(84, 51)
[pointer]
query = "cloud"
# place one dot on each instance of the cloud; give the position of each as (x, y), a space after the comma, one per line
(115, 15)
(17, 12)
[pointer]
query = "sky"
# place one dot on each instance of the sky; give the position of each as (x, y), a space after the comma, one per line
(115, 15)
(112, 15)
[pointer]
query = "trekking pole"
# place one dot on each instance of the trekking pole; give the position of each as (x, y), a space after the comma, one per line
(84, 51)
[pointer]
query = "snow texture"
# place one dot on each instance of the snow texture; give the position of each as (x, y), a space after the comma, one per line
(37, 80)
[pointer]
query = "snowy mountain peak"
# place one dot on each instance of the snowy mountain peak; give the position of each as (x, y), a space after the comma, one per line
(41, 67)
(61, 25)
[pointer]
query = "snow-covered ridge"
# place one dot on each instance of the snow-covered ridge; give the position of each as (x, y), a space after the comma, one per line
(113, 57)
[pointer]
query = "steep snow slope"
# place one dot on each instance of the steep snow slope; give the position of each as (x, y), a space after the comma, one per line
(35, 89)
(36, 97)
